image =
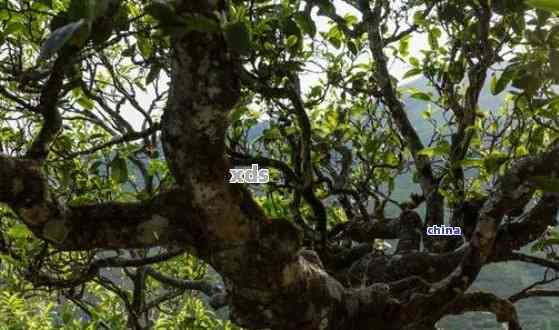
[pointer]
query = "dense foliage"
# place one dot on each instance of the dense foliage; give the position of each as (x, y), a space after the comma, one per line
(119, 117)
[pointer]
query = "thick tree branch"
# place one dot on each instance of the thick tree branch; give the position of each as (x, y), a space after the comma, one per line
(165, 219)
(407, 228)
(257, 257)
(293, 94)
(307, 191)
(435, 203)
(271, 282)
(515, 188)
(511, 189)
(487, 302)
(515, 235)
(466, 113)
(48, 107)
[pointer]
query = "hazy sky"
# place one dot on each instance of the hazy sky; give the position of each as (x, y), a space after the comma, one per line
(397, 68)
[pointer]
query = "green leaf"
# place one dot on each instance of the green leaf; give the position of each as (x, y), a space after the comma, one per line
(537, 247)
(471, 162)
(456, 71)
(153, 73)
(19, 231)
(421, 96)
(58, 38)
(494, 88)
(14, 28)
(316, 91)
(237, 114)
(542, 244)
(238, 37)
(440, 149)
(272, 133)
(521, 151)
(433, 38)
(82, 99)
(493, 161)
(119, 169)
(405, 45)
(122, 19)
(292, 41)
(85, 102)
(549, 5)
(419, 18)
(391, 159)
(427, 114)
(428, 152)
(327, 8)
(551, 241)
(65, 143)
(518, 24)
(293, 33)
(498, 85)
(145, 46)
(527, 82)
(412, 72)
(162, 11)
(352, 47)
(82, 9)
(306, 23)
(201, 24)
(47, 3)
(334, 36)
